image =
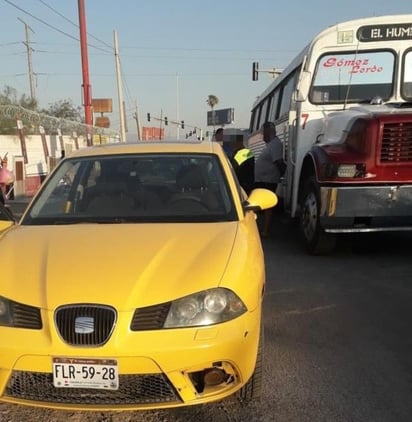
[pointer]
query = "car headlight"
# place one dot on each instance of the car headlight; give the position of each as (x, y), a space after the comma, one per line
(5, 312)
(204, 308)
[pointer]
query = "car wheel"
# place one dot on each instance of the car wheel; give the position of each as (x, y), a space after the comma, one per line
(252, 390)
(317, 241)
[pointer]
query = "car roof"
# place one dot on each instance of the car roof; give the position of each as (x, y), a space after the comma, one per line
(146, 147)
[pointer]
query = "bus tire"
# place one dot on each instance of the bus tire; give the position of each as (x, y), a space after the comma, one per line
(317, 241)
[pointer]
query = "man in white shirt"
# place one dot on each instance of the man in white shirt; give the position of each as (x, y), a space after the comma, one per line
(269, 168)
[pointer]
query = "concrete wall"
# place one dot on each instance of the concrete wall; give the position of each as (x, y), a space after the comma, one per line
(30, 175)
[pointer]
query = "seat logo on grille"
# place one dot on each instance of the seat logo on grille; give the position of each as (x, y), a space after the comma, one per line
(84, 325)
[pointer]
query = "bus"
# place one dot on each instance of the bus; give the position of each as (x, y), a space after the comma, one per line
(343, 111)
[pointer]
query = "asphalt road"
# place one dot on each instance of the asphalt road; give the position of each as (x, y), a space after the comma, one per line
(339, 330)
(338, 339)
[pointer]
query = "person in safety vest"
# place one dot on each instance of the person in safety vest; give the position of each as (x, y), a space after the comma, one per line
(243, 162)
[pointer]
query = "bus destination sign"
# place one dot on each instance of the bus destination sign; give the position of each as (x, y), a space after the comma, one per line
(396, 31)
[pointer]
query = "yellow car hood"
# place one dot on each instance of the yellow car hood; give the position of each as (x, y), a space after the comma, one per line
(124, 265)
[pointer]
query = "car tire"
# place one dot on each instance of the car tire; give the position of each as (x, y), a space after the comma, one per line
(252, 390)
(316, 240)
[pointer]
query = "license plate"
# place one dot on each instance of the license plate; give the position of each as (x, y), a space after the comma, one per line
(85, 373)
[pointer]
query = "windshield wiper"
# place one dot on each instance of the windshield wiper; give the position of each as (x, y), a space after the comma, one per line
(100, 220)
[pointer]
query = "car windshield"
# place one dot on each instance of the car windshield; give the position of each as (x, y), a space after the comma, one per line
(134, 188)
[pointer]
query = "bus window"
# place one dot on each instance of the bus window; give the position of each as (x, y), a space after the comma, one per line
(253, 119)
(287, 92)
(269, 105)
(353, 77)
(274, 106)
(263, 112)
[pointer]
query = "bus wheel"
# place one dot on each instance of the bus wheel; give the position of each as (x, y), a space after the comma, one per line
(317, 242)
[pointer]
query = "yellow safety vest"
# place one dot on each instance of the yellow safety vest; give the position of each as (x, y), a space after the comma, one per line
(242, 155)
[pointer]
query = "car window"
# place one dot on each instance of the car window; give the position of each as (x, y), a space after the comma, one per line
(133, 188)
(5, 213)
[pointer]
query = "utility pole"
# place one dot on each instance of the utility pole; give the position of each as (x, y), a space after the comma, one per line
(160, 124)
(177, 107)
(87, 95)
(29, 62)
(119, 90)
(136, 117)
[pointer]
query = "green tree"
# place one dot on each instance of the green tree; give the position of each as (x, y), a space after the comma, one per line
(9, 96)
(212, 101)
(64, 109)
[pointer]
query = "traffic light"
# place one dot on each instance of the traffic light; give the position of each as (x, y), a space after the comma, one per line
(148, 117)
(166, 122)
(255, 71)
(182, 124)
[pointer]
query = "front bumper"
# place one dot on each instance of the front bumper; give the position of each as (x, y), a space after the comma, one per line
(366, 208)
(157, 369)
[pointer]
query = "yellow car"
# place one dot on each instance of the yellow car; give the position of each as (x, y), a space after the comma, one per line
(134, 280)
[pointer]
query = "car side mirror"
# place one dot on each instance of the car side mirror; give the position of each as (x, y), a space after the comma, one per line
(260, 199)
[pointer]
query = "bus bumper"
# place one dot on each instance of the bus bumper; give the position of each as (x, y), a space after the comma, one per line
(346, 209)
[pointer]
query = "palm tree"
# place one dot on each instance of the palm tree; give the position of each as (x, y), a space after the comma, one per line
(212, 101)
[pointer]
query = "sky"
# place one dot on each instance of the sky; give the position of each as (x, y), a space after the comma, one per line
(173, 54)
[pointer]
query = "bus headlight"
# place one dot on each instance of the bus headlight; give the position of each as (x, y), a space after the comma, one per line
(346, 170)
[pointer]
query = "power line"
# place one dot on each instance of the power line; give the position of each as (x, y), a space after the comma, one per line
(73, 23)
(9, 43)
(223, 50)
(14, 54)
(128, 93)
(231, 59)
(50, 26)
(41, 20)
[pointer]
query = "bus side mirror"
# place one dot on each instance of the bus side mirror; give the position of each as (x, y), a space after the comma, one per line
(302, 89)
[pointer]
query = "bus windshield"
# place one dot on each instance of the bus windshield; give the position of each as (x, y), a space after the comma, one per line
(407, 77)
(353, 77)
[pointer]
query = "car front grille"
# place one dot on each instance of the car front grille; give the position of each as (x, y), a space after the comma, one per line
(133, 389)
(85, 325)
(150, 317)
(25, 316)
(396, 143)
